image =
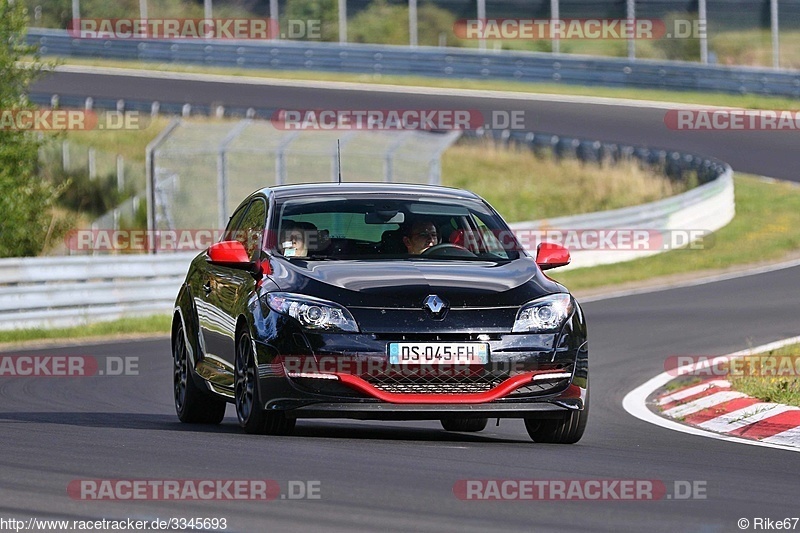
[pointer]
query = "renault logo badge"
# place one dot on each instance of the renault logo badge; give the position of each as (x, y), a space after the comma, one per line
(435, 306)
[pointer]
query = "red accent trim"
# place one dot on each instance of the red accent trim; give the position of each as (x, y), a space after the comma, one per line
(573, 391)
(501, 390)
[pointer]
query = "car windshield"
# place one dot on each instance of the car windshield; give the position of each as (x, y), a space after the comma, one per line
(325, 228)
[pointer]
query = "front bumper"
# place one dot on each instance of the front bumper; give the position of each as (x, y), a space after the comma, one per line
(386, 411)
(529, 375)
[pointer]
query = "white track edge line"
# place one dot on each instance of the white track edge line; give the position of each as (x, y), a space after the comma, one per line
(695, 282)
(635, 402)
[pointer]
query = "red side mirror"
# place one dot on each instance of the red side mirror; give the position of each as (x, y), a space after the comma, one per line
(228, 253)
(551, 255)
(232, 254)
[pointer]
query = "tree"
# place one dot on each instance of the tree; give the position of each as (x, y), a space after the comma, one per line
(325, 11)
(25, 200)
(385, 23)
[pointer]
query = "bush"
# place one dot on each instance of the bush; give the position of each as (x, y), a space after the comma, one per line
(325, 11)
(383, 23)
(90, 196)
(58, 13)
(680, 49)
(26, 201)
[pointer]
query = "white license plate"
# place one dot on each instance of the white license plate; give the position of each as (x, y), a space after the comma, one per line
(444, 353)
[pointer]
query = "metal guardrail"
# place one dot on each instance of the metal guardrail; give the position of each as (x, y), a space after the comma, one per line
(701, 210)
(68, 291)
(454, 63)
(52, 292)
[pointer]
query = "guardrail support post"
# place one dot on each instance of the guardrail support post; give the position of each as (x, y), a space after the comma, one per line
(482, 21)
(631, 16)
(773, 17)
(554, 14)
(701, 9)
(412, 23)
(342, 21)
(273, 15)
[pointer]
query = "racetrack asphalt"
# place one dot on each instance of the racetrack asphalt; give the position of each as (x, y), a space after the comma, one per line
(400, 476)
(393, 476)
(768, 153)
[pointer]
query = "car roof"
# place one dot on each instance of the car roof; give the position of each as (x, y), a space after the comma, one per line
(282, 192)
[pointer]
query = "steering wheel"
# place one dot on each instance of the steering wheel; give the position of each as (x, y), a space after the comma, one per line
(447, 249)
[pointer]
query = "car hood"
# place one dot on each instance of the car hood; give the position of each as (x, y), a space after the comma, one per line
(405, 283)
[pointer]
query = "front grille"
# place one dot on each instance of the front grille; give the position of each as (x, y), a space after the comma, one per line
(436, 337)
(475, 381)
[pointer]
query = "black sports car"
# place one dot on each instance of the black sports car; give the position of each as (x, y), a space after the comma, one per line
(378, 301)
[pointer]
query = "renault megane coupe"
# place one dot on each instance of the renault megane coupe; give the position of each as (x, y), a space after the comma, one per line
(378, 302)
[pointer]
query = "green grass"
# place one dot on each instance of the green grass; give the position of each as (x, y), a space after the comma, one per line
(766, 227)
(688, 97)
(741, 47)
(158, 324)
(754, 47)
(130, 144)
(681, 382)
(523, 187)
(770, 386)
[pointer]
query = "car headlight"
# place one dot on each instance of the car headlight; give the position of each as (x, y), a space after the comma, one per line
(545, 314)
(312, 313)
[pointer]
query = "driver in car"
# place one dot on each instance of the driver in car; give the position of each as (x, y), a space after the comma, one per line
(294, 241)
(420, 236)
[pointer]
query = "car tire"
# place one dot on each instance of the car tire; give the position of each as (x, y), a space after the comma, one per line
(192, 404)
(567, 430)
(467, 425)
(252, 417)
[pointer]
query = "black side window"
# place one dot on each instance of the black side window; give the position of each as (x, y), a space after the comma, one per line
(234, 223)
(251, 229)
